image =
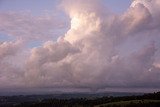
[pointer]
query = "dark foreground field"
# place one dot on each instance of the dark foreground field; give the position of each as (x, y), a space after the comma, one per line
(82, 100)
(132, 103)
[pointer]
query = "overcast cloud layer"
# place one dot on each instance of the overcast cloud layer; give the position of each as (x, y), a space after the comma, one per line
(100, 50)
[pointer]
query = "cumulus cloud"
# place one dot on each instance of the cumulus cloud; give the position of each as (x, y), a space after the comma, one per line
(8, 48)
(100, 50)
(10, 70)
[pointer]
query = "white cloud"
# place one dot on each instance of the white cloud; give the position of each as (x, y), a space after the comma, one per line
(88, 55)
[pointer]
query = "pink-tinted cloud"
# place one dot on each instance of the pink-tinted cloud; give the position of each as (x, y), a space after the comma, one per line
(23, 25)
(89, 55)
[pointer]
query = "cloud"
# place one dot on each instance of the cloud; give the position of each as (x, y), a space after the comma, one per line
(8, 48)
(100, 50)
(153, 8)
(10, 73)
(23, 25)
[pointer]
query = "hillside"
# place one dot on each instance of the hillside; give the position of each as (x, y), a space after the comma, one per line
(145, 100)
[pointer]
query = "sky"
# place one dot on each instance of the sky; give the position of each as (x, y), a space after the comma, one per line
(79, 46)
(38, 6)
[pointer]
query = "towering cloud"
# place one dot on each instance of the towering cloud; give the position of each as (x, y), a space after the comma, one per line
(100, 50)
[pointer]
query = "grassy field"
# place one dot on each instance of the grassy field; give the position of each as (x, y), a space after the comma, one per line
(132, 103)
